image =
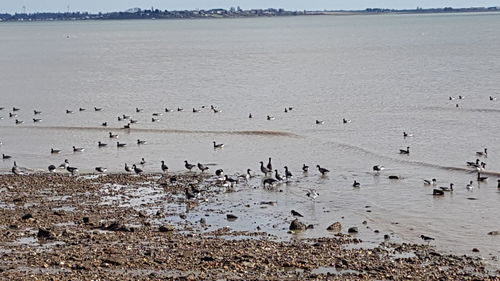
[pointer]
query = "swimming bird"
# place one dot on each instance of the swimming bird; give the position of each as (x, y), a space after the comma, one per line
(218, 145)
(429, 182)
(469, 186)
(269, 165)
(493, 98)
(305, 168)
(483, 153)
(141, 141)
(36, 120)
(269, 117)
(219, 172)
(81, 109)
(247, 176)
(69, 111)
(138, 110)
(120, 118)
(155, 119)
(137, 170)
(230, 180)
(296, 214)
(19, 122)
(101, 144)
(498, 184)
(250, 115)
(479, 178)
(16, 170)
(320, 122)
(65, 164)
(143, 161)
(394, 177)
(195, 110)
(264, 169)
(216, 110)
(4, 156)
(323, 171)
(125, 117)
(445, 188)
(378, 168)
(180, 109)
(426, 238)
(157, 114)
(473, 164)
(113, 136)
(127, 168)
(188, 166)
(202, 167)
(118, 144)
(437, 192)
(72, 170)
(78, 149)
(127, 126)
(345, 121)
(164, 167)
(451, 98)
(461, 97)
(286, 110)
(356, 184)
(269, 181)
(104, 124)
(97, 108)
(312, 193)
(277, 175)
(133, 121)
(407, 135)
(55, 151)
(288, 174)
(52, 168)
(15, 108)
(403, 151)
(101, 169)
(168, 110)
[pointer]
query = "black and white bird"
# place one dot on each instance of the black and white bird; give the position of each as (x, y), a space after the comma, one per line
(269, 165)
(4, 156)
(405, 151)
(36, 112)
(18, 122)
(78, 149)
(180, 109)
(195, 110)
(469, 186)
(263, 169)
(69, 111)
(72, 170)
(230, 180)
(430, 182)
(320, 122)
(288, 174)
(407, 135)
(97, 108)
(120, 144)
(15, 108)
(127, 168)
(137, 170)
(101, 144)
(168, 110)
(473, 164)
(296, 214)
(113, 136)
(164, 167)
(345, 121)
(55, 151)
(269, 117)
(277, 175)
(479, 177)
(323, 171)
(81, 109)
(188, 166)
(218, 145)
(36, 120)
(356, 184)
(269, 181)
(65, 164)
(378, 168)
(51, 168)
(219, 172)
(101, 169)
(202, 167)
(446, 188)
(16, 170)
(312, 193)
(437, 192)
(426, 238)
(143, 161)
(305, 168)
(137, 110)
(12, 115)
(247, 176)
(483, 153)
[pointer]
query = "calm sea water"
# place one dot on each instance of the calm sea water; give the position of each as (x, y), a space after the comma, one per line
(388, 74)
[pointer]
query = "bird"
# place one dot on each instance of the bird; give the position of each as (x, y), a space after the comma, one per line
(216, 110)
(125, 116)
(195, 110)
(157, 114)
(277, 175)
(19, 121)
(15, 108)
(403, 151)
(127, 126)
(437, 192)
(155, 119)
(469, 186)
(143, 161)
(247, 176)
(180, 109)
(69, 111)
(296, 214)
(483, 153)
(394, 177)
(113, 136)
(65, 164)
(288, 174)
(202, 167)
(101, 144)
(78, 149)
(72, 170)
(81, 109)
(137, 170)
(312, 193)
(36, 120)
(168, 110)
(479, 178)
(320, 122)
(356, 184)
(55, 151)
(426, 238)
(133, 121)
(378, 168)
(451, 98)
(4, 156)
(493, 98)
(345, 121)
(473, 164)
(264, 169)
(52, 168)
(269, 165)
(188, 166)
(445, 188)
(269, 181)
(406, 135)
(230, 180)
(269, 117)
(219, 172)
(127, 168)
(429, 182)
(189, 193)
(118, 144)
(138, 110)
(16, 170)
(104, 124)
(218, 145)
(323, 171)
(12, 115)
(250, 115)
(97, 108)
(120, 118)
(305, 168)
(164, 167)
(101, 169)
(286, 110)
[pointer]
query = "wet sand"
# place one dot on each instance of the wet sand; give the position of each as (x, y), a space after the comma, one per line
(127, 227)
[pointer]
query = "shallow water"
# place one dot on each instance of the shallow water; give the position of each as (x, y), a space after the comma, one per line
(388, 74)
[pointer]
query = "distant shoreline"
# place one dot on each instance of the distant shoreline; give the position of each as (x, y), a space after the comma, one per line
(136, 14)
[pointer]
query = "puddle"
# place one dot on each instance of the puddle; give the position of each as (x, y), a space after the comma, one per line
(64, 208)
(333, 270)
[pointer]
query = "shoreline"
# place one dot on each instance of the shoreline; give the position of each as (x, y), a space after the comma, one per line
(127, 227)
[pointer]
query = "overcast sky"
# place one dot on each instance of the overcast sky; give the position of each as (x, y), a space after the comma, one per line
(12, 6)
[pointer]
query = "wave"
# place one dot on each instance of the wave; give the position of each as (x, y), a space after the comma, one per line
(171, 131)
(482, 110)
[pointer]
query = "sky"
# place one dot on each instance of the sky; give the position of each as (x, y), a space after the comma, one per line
(93, 6)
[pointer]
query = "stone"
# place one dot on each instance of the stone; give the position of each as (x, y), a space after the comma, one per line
(27, 217)
(335, 227)
(475, 250)
(231, 217)
(352, 229)
(297, 225)
(44, 233)
(166, 228)
(494, 233)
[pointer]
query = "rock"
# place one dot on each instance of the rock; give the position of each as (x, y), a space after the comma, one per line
(166, 228)
(310, 226)
(475, 250)
(494, 233)
(27, 217)
(387, 237)
(352, 229)
(207, 258)
(44, 233)
(183, 216)
(335, 227)
(203, 221)
(231, 217)
(115, 226)
(297, 225)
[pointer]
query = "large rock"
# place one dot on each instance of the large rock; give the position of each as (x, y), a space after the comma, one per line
(231, 217)
(335, 227)
(352, 229)
(166, 228)
(44, 234)
(297, 225)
